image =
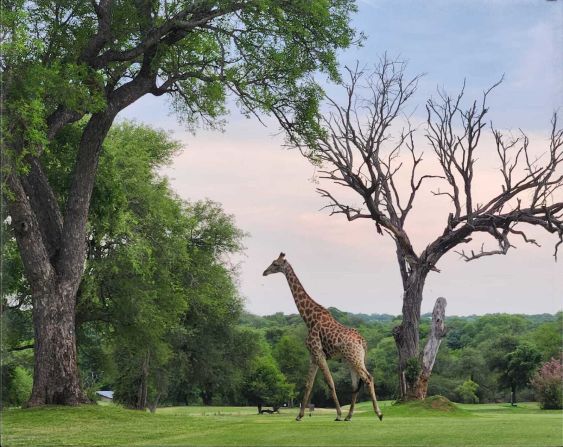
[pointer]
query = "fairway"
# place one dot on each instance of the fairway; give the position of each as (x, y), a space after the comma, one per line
(108, 425)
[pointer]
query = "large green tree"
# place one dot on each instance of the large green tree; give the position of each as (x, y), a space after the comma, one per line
(155, 272)
(67, 60)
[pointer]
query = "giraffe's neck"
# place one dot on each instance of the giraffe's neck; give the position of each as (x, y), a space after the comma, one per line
(305, 304)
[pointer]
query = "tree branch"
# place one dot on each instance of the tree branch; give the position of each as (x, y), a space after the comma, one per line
(22, 347)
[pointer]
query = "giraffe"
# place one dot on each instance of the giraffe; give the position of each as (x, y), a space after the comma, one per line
(327, 338)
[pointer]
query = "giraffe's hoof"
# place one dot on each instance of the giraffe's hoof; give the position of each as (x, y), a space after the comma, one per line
(347, 419)
(298, 418)
(338, 419)
(380, 416)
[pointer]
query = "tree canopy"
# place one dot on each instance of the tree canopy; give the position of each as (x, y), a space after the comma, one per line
(156, 273)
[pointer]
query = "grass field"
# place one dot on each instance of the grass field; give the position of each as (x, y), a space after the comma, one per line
(403, 425)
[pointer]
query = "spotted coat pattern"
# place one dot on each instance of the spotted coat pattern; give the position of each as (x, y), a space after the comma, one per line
(326, 339)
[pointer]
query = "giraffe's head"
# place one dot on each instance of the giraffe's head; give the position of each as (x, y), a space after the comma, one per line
(276, 266)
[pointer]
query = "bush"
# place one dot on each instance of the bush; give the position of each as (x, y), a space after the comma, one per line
(467, 392)
(18, 384)
(548, 385)
(443, 386)
(91, 393)
(265, 384)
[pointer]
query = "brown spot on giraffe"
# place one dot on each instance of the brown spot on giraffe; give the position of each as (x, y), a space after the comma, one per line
(327, 338)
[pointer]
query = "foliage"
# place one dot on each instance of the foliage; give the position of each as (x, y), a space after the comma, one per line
(293, 360)
(548, 337)
(382, 361)
(66, 55)
(467, 392)
(548, 384)
(412, 369)
(156, 267)
(519, 365)
(479, 357)
(265, 384)
(16, 383)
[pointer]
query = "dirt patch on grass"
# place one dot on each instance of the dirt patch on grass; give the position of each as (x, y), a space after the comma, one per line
(440, 403)
(434, 404)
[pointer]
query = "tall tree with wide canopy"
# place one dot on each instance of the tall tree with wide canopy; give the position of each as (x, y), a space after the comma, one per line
(66, 60)
(355, 148)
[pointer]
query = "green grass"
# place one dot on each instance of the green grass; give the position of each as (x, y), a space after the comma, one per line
(403, 425)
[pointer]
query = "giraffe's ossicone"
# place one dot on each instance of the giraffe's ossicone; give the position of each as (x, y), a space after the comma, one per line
(327, 338)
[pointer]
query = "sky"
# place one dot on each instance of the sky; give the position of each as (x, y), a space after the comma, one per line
(270, 190)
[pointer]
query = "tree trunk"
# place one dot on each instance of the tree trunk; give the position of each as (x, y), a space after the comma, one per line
(414, 369)
(144, 384)
(55, 377)
(53, 253)
(207, 396)
(407, 336)
(154, 404)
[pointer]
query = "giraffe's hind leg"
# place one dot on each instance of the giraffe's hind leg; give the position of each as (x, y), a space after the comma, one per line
(356, 384)
(366, 377)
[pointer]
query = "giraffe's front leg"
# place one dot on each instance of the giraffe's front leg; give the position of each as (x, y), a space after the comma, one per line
(328, 377)
(313, 368)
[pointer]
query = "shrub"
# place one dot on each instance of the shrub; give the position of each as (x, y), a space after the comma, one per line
(91, 393)
(467, 392)
(548, 385)
(265, 384)
(412, 370)
(19, 382)
(443, 386)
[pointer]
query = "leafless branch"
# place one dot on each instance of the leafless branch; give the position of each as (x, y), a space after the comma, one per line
(357, 150)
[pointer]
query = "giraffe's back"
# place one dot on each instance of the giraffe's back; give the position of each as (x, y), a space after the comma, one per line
(341, 341)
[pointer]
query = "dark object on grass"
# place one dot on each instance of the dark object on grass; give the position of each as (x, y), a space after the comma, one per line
(275, 409)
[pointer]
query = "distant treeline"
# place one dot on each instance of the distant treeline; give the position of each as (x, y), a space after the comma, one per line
(471, 365)
(262, 360)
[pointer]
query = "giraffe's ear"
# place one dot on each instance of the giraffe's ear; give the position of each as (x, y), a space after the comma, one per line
(282, 255)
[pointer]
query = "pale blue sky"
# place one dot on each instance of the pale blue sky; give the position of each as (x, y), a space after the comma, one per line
(347, 265)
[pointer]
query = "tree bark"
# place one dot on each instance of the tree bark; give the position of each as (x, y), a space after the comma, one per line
(143, 384)
(55, 379)
(53, 255)
(415, 369)
(407, 335)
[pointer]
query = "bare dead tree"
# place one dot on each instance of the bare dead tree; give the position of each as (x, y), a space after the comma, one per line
(355, 149)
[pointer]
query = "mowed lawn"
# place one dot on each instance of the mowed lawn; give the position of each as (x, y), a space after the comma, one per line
(108, 425)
